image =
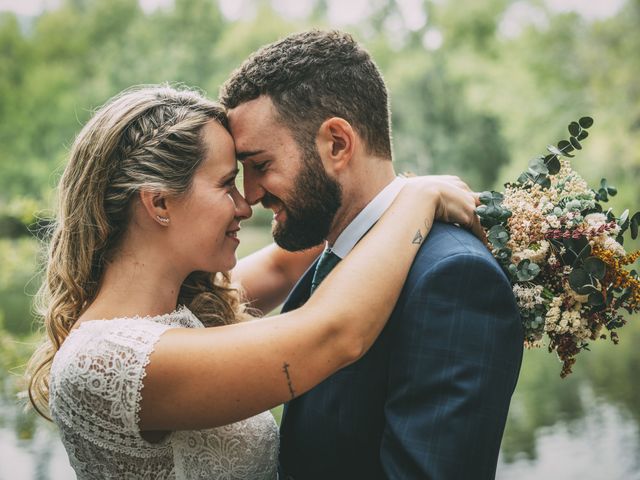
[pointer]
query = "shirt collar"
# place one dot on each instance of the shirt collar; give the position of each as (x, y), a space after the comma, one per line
(367, 217)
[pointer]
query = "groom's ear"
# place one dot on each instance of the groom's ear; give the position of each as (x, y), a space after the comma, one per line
(336, 141)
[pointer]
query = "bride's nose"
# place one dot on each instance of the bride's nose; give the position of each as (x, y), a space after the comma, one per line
(243, 209)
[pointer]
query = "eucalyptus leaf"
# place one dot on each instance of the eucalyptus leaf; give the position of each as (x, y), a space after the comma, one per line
(580, 282)
(554, 150)
(633, 225)
(576, 249)
(626, 294)
(492, 211)
(503, 255)
(603, 195)
(498, 236)
(595, 267)
(543, 180)
(525, 177)
(624, 217)
(586, 122)
(564, 146)
(538, 166)
(574, 129)
(575, 143)
(552, 163)
(485, 197)
(623, 222)
(596, 299)
(505, 214)
(527, 271)
(578, 278)
(582, 135)
(491, 198)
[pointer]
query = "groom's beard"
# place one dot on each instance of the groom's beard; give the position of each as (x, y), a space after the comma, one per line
(310, 209)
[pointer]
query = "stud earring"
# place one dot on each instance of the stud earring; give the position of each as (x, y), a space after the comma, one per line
(164, 220)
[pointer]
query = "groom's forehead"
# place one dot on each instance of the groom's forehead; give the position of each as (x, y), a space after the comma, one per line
(253, 114)
(254, 124)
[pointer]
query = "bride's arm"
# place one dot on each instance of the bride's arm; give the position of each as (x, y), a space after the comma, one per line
(204, 378)
(268, 275)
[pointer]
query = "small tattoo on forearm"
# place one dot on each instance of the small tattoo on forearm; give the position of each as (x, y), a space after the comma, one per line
(285, 369)
(418, 238)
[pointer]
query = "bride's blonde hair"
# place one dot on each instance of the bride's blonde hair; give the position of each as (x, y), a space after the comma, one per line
(145, 137)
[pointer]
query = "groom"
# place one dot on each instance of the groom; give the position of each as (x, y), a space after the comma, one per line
(310, 119)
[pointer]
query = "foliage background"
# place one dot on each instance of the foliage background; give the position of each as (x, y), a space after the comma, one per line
(477, 89)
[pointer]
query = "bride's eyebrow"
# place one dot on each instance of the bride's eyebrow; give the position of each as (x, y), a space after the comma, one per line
(232, 174)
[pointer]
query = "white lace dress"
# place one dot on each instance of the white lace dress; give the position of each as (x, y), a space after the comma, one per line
(95, 385)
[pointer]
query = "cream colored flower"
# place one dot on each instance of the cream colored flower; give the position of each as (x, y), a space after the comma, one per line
(613, 246)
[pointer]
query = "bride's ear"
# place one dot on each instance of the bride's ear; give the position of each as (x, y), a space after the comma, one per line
(155, 206)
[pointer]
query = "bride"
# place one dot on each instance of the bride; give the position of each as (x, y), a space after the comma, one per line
(148, 213)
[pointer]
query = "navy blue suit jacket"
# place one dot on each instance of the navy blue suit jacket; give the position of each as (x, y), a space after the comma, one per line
(430, 398)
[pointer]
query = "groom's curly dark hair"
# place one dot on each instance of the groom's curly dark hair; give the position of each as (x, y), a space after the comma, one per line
(312, 76)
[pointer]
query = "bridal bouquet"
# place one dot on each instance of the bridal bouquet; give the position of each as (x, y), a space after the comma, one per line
(563, 252)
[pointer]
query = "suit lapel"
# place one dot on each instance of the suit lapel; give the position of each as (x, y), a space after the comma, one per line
(300, 293)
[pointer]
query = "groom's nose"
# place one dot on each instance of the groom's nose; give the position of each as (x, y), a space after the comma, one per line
(253, 191)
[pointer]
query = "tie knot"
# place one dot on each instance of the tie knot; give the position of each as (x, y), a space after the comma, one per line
(328, 260)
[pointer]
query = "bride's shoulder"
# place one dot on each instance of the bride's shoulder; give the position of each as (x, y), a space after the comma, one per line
(96, 330)
(95, 381)
(101, 339)
(92, 339)
(180, 317)
(115, 344)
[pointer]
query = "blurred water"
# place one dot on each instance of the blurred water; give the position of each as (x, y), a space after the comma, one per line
(604, 444)
(30, 447)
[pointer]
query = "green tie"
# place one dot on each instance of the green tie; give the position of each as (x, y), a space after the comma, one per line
(327, 261)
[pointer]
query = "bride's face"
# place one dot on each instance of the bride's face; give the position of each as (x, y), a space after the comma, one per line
(205, 221)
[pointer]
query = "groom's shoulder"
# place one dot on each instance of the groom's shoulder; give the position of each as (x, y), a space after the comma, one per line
(447, 242)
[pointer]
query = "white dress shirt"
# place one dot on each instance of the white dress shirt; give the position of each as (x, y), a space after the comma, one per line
(367, 218)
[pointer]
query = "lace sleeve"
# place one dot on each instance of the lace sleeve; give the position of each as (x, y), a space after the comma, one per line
(96, 383)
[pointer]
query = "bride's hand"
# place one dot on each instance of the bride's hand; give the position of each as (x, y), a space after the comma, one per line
(455, 201)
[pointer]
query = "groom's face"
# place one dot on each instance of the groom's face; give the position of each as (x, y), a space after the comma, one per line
(277, 173)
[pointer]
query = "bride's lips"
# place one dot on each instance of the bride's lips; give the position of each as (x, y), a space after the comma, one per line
(233, 234)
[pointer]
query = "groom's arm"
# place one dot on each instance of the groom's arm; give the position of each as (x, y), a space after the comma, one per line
(268, 275)
(454, 362)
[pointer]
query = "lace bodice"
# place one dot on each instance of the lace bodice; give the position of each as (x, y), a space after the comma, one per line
(95, 391)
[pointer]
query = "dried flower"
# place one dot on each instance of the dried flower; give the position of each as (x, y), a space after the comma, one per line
(562, 255)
